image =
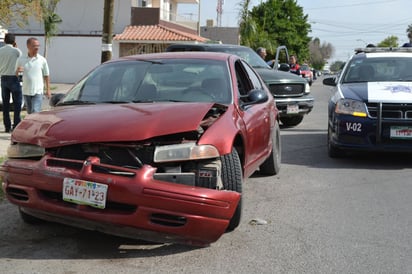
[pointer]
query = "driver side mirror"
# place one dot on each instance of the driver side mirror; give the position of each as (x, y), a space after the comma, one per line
(55, 99)
(330, 81)
(255, 96)
(284, 67)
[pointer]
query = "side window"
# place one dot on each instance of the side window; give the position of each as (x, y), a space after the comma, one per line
(243, 81)
(252, 76)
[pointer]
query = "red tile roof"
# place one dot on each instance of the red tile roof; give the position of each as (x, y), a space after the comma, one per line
(156, 33)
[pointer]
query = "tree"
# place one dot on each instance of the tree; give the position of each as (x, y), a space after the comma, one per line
(319, 53)
(336, 66)
(107, 30)
(282, 22)
(50, 21)
(18, 11)
(247, 25)
(390, 41)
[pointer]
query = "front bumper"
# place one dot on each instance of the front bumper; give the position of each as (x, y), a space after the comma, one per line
(304, 104)
(137, 206)
(366, 134)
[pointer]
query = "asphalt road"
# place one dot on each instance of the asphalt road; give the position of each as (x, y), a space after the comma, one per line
(323, 215)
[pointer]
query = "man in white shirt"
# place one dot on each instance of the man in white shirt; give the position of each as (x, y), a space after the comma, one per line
(35, 71)
(10, 84)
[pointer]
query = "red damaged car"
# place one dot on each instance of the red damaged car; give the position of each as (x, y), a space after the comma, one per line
(152, 147)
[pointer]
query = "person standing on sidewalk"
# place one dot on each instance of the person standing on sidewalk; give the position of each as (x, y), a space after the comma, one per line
(36, 80)
(10, 84)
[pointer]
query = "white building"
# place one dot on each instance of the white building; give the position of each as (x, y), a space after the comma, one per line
(77, 47)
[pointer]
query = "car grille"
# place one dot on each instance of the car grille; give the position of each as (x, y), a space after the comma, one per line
(287, 90)
(390, 111)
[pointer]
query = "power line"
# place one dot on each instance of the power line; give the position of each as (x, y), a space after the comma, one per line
(352, 5)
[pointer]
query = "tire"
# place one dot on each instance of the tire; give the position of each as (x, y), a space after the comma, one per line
(291, 121)
(271, 165)
(333, 151)
(232, 180)
(29, 219)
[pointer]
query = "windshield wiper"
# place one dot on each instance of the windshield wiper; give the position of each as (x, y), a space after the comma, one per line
(151, 61)
(75, 102)
(143, 101)
(262, 67)
(115, 102)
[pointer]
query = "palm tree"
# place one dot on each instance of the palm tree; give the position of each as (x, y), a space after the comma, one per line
(50, 21)
(247, 25)
(251, 35)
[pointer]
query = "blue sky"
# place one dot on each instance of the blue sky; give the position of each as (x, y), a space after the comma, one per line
(345, 24)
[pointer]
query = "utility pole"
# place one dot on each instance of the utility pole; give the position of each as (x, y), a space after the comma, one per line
(107, 30)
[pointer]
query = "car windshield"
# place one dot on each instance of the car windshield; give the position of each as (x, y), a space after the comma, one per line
(304, 67)
(246, 53)
(175, 80)
(379, 69)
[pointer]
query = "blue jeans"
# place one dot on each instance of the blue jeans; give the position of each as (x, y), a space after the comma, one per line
(33, 103)
(11, 85)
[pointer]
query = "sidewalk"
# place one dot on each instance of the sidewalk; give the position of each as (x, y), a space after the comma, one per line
(5, 137)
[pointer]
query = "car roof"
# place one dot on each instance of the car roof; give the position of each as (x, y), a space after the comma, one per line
(181, 55)
(382, 52)
(205, 47)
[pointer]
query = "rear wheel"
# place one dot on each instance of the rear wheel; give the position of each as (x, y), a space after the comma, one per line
(291, 121)
(232, 180)
(271, 166)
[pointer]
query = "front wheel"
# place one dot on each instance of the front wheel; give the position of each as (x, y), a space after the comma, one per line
(333, 151)
(232, 180)
(291, 121)
(271, 165)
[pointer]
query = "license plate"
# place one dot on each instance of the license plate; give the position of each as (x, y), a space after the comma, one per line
(84, 192)
(399, 132)
(292, 109)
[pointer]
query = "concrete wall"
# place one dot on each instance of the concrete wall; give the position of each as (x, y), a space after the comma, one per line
(227, 35)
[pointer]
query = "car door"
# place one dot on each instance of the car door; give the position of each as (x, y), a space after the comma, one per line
(257, 117)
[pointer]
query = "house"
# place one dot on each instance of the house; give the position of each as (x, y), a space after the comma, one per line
(77, 47)
(149, 33)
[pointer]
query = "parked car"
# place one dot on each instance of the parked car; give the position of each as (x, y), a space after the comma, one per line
(307, 73)
(291, 92)
(151, 146)
(371, 107)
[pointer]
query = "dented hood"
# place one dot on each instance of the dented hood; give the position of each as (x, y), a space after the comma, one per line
(108, 123)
